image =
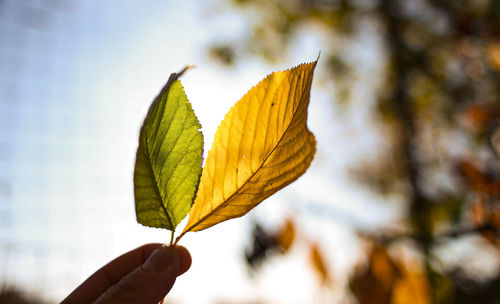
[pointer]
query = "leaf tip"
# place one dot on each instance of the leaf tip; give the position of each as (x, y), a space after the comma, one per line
(181, 72)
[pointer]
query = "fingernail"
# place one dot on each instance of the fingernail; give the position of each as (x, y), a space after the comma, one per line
(160, 259)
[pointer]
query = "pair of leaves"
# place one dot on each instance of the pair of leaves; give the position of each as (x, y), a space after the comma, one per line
(261, 146)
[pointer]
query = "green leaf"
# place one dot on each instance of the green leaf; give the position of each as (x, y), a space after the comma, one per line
(168, 164)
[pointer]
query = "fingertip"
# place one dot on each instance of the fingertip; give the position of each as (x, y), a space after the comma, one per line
(184, 257)
(147, 249)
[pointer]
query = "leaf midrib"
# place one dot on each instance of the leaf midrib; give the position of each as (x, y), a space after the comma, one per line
(156, 188)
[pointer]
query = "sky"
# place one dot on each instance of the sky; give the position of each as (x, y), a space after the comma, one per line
(76, 80)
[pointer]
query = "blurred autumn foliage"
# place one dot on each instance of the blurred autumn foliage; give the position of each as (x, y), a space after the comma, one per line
(438, 104)
(266, 243)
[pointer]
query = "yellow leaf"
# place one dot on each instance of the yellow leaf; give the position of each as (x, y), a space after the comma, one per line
(261, 146)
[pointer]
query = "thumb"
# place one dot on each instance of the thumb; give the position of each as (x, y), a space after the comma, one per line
(148, 283)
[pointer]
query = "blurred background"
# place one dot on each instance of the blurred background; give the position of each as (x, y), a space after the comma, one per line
(401, 203)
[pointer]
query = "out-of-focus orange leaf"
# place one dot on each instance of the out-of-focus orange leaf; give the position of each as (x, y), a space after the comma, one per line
(318, 263)
(495, 217)
(493, 51)
(267, 243)
(263, 244)
(374, 284)
(412, 286)
(477, 180)
(489, 236)
(495, 140)
(286, 235)
(475, 117)
(383, 267)
(389, 281)
(483, 214)
(494, 221)
(473, 176)
(478, 211)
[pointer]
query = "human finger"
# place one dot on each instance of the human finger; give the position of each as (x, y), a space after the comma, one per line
(185, 259)
(148, 283)
(109, 275)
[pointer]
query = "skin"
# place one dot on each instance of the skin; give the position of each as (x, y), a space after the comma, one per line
(143, 275)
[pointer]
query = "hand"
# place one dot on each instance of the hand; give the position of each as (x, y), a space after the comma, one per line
(143, 275)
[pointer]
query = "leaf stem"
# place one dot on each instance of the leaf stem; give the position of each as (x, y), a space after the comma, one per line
(172, 238)
(178, 238)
